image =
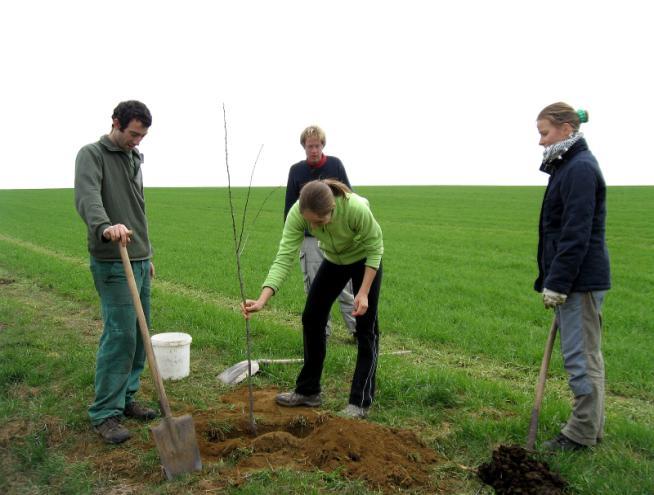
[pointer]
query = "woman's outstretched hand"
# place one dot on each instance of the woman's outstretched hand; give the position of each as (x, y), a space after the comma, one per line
(250, 306)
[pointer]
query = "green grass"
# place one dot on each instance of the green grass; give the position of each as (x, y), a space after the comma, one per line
(292, 483)
(459, 265)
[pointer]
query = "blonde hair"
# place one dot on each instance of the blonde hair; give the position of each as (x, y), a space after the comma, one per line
(319, 196)
(313, 131)
(561, 113)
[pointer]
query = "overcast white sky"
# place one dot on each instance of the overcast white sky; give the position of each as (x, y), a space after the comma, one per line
(408, 92)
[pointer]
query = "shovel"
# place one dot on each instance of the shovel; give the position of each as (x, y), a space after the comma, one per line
(239, 371)
(174, 437)
(540, 387)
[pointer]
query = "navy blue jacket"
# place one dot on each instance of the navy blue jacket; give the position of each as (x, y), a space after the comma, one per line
(301, 173)
(572, 253)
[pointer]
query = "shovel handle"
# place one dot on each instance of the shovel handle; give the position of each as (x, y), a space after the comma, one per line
(396, 353)
(300, 360)
(145, 334)
(540, 386)
(279, 361)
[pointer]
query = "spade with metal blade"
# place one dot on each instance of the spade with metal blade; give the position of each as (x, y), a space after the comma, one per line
(540, 386)
(174, 437)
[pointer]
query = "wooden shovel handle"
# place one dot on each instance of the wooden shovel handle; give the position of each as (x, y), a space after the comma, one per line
(145, 334)
(540, 386)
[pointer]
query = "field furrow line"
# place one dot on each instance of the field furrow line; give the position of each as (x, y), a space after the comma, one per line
(41, 250)
(219, 300)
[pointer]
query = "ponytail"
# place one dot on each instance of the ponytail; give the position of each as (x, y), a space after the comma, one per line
(318, 195)
(337, 187)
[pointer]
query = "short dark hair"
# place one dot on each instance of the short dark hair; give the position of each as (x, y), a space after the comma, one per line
(126, 111)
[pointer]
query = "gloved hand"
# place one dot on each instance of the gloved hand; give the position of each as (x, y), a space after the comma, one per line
(553, 299)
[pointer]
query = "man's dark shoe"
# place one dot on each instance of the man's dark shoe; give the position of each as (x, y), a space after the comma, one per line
(137, 411)
(112, 431)
(562, 443)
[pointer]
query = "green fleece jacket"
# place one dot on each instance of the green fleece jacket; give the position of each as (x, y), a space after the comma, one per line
(352, 235)
(109, 190)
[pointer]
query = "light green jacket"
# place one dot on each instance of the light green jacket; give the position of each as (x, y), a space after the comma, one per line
(353, 234)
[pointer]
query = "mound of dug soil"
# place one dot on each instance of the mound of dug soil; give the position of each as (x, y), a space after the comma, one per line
(308, 439)
(512, 471)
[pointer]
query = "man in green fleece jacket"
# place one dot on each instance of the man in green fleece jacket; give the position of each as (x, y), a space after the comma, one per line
(109, 198)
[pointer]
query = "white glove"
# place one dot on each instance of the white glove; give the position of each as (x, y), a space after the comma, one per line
(553, 299)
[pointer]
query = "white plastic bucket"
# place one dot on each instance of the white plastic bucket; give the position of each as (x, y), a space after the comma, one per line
(172, 350)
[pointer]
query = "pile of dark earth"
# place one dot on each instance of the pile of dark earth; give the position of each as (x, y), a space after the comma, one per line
(513, 471)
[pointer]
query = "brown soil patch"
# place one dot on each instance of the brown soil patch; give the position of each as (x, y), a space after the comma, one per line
(122, 462)
(308, 439)
(11, 430)
(16, 430)
(301, 439)
(512, 471)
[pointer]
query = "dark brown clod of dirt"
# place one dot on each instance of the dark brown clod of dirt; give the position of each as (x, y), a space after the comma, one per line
(308, 439)
(513, 471)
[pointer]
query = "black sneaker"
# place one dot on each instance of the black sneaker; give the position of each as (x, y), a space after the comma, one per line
(112, 431)
(293, 399)
(137, 411)
(562, 443)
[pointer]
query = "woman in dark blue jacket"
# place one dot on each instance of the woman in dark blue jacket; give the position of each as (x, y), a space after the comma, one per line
(573, 266)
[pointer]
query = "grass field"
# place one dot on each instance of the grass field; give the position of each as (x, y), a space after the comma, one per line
(459, 265)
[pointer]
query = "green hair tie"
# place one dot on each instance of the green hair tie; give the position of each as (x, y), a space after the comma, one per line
(583, 116)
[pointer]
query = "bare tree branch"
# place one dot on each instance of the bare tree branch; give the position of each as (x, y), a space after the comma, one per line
(253, 425)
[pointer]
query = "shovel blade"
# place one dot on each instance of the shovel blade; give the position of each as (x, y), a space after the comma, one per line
(237, 373)
(177, 445)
